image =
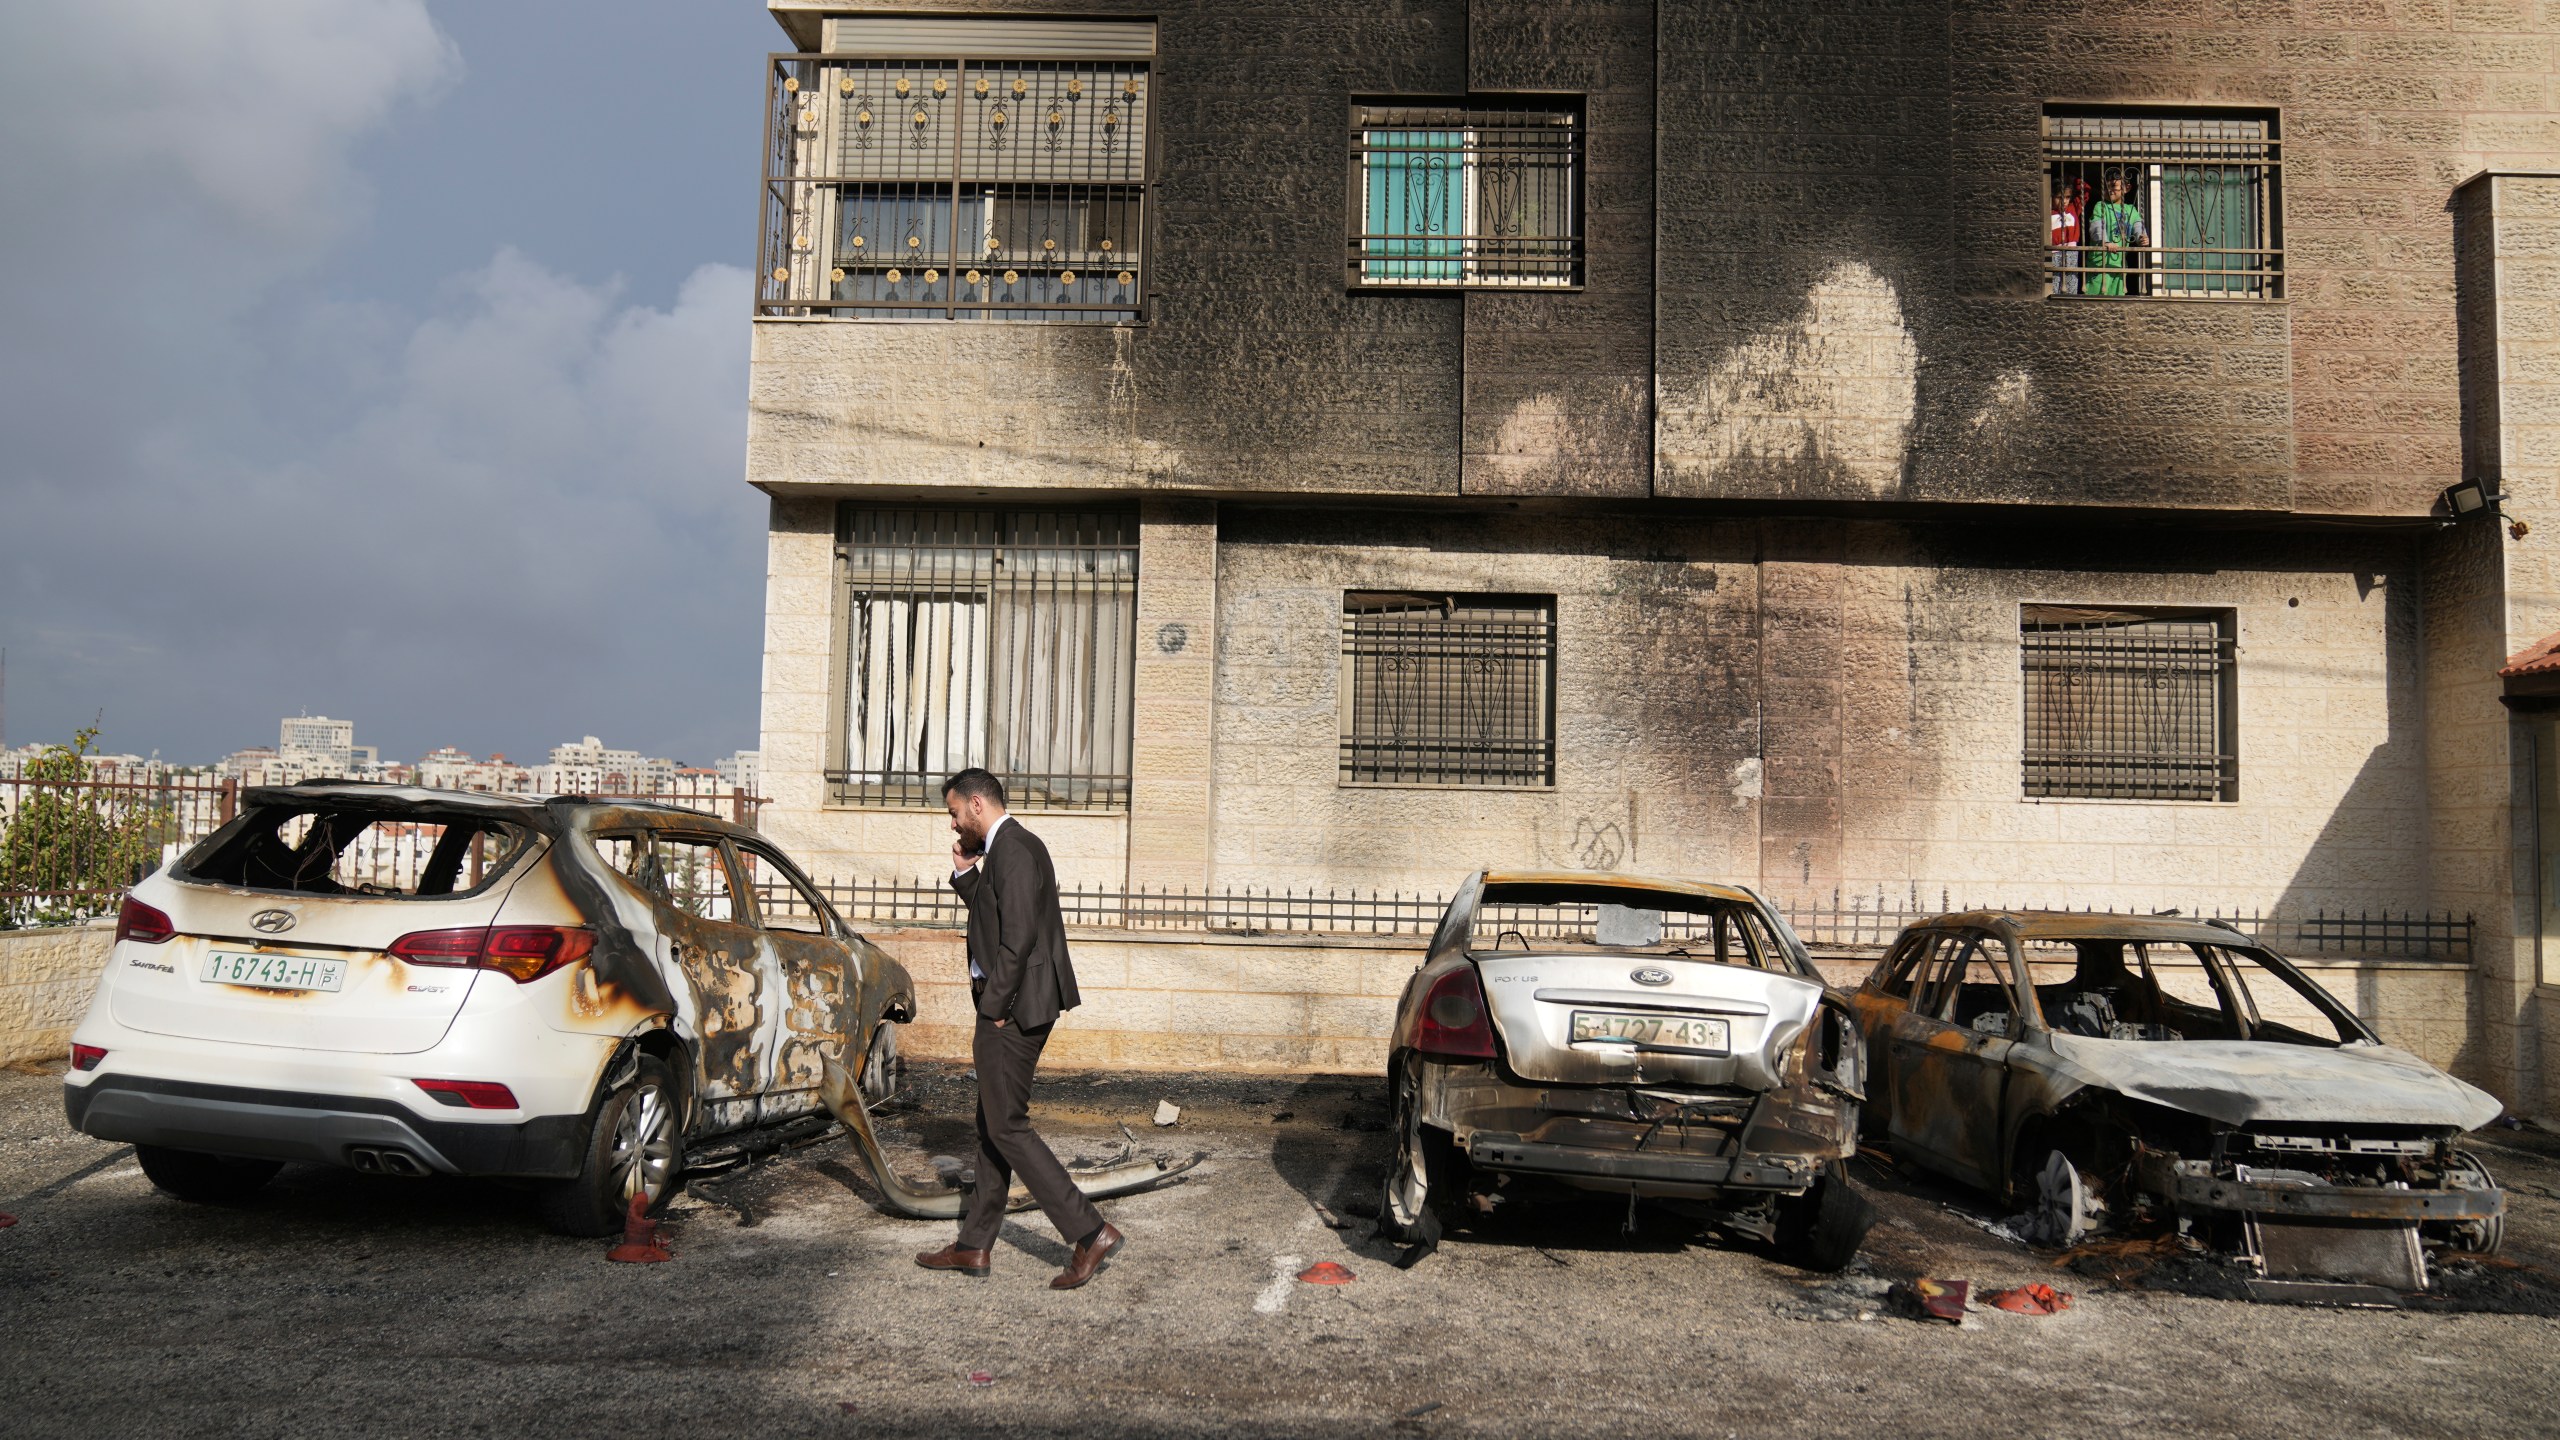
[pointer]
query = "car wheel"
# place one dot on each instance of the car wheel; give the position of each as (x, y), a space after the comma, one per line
(636, 1148)
(2477, 1237)
(1823, 1228)
(2067, 1209)
(204, 1179)
(1426, 1173)
(884, 1070)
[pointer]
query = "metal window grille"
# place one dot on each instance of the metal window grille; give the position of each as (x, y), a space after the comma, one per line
(1448, 690)
(956, 189)
(2129, 705)
(986, 637)
(2198, 216)
(1454, 196)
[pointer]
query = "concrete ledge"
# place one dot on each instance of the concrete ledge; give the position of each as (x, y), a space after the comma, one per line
(46, 979)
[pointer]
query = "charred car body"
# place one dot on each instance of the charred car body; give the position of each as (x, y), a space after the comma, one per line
(411, 981)
(2098, 1066)
(1634, 1037)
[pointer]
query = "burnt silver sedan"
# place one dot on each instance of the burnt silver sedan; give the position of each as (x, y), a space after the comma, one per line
(1632, 1037)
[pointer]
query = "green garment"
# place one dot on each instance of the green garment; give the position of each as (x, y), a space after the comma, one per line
(2110, 222)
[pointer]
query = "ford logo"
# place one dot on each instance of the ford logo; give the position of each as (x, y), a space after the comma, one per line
(1650, 976)
(276, 922)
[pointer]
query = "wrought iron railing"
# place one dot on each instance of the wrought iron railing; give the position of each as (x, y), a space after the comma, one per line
(956, 189)
(2172, 205)
(1448, 690)
(1463, 196)
(1839, 921)
(2128, 705)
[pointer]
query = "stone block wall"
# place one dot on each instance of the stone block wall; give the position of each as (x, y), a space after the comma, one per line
(46, 979)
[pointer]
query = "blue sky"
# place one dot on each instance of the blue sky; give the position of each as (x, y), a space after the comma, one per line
(383, 359)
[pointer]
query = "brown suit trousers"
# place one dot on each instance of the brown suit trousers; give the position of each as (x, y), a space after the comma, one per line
(1006, 1057)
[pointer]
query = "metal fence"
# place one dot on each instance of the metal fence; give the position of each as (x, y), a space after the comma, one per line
(1840, 921)
(960, 189)
(70, 848)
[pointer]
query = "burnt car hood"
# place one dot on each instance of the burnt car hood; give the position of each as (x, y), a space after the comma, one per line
(2241, 1082)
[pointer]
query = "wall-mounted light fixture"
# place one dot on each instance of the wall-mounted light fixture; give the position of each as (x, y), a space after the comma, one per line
(2469, 496)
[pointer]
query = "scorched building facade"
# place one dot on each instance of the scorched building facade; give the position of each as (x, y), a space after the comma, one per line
(1885, 454)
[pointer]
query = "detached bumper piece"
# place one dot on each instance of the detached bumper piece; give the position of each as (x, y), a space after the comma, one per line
(376, 1136)
(2321, 1243)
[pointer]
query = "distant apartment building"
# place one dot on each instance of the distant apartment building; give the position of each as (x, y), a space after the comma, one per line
(320, 745)
(590, 767)
(743, 770)
(449, 768)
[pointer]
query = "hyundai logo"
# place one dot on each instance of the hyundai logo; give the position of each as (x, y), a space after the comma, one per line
(276, 922)
(1650, 976)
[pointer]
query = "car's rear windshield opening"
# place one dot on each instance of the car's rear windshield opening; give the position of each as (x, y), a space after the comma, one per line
(352, 850)
(2138, 990)
(1722, 931)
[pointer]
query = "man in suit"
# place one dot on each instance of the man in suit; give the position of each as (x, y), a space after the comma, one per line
(1020, 978)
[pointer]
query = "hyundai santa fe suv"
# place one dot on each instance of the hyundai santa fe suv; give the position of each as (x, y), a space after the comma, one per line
(405, 981)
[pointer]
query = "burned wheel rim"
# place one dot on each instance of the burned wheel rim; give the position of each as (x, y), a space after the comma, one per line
(644, 1146)
(1408, 1197)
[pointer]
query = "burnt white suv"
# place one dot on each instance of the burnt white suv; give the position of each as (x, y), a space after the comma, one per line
(412, 982)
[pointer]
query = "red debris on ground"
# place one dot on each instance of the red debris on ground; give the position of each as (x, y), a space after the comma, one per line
(7, 1220)
(1941, 1299)
(1325, 1272)
(2035, 1299)
(641, 1242)
(980, 1379)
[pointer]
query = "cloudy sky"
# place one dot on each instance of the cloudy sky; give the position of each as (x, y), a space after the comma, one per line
(383, 359)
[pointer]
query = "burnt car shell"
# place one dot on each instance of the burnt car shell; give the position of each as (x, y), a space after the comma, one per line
(1701, 1060)
(2176, 1066)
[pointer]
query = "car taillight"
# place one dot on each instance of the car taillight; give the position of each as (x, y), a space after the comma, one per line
(529, 952)
(520, 952)
(143, 924)
(86, 1057)
(469, 1094)
(1453, 1020)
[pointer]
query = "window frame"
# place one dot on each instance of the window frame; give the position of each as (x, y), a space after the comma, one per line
(1350, 737)
(788, 277)
(846, 787)
(2266, 282)
(2225, 761)
(1464, 116)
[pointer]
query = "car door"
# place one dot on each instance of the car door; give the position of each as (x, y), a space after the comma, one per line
(720, 965)
(1948, 1054)
(819, 982)
(1885, 995)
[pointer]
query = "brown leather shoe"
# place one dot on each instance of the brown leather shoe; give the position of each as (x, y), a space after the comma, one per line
(952, 1257)
(1088, 1257)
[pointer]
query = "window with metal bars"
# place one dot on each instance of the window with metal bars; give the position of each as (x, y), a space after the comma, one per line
(2171, 204)
(1002, 638)
(956, 189)
(2129, 704)
(1461, 195)
(1448, 689)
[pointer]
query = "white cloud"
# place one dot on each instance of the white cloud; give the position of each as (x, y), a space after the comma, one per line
(513, 519)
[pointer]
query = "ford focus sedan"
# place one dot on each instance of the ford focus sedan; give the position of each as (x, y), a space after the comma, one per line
(409, 982)
(2103, 1069)
(1630, 1037)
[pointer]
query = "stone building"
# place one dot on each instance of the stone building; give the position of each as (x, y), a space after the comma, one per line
(1318, 445)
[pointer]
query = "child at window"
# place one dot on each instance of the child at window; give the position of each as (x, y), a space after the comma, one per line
(2114, 227)
(2062, 229)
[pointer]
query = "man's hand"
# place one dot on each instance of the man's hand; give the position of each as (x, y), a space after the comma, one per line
(1000, 1024)
(961, 860)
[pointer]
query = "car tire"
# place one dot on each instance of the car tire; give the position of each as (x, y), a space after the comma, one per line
(1823, 1228)
(2472, 1237)
(203, 1179)
(884, 1070)
(1425, 1175)
(635, 1146)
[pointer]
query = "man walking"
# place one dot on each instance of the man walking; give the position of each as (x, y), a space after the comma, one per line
(1020, 978)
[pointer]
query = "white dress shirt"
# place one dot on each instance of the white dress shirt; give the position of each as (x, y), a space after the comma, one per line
(974, 972)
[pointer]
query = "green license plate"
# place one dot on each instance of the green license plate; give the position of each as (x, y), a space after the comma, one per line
(1654, 1032)
(275, 972)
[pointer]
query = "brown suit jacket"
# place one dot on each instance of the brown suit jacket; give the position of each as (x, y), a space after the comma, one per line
(1016, 934)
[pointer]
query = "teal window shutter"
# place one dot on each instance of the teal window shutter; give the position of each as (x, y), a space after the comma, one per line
(1416, 186)
(2211, 210)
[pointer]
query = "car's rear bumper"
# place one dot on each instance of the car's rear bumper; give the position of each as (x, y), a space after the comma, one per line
(350, 1130)
(1636, 1170)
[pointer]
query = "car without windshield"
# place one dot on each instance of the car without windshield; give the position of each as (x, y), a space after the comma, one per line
(2096, 1068)
(1635, 1037)
(404, 981)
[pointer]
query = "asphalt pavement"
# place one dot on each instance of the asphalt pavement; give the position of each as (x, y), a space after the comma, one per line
(340, 1304)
